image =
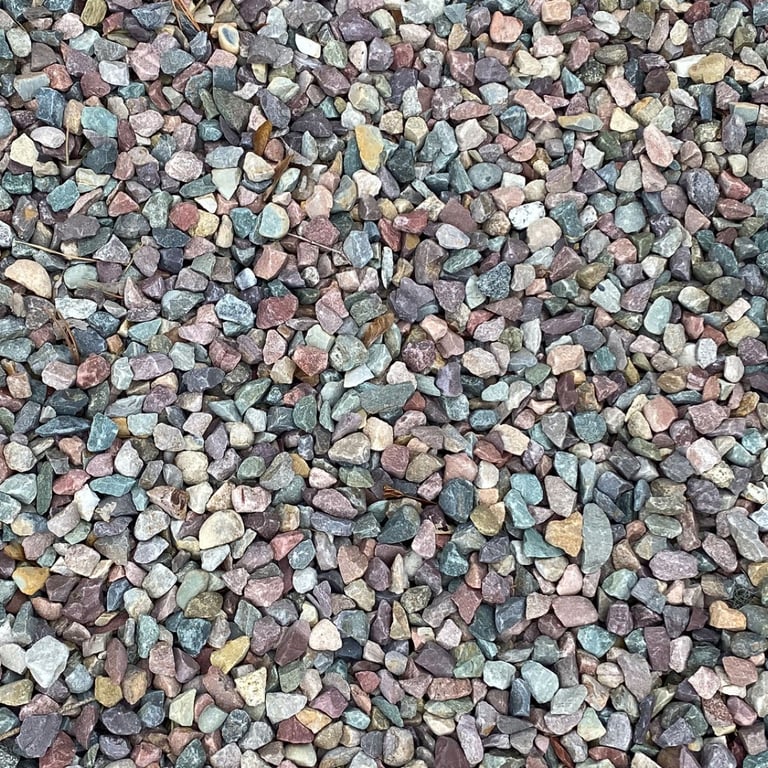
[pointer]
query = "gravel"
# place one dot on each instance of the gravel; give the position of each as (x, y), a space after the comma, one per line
(383, 384)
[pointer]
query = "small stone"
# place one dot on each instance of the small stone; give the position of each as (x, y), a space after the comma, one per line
(370, 144)
(398, 747)
(46, 660)
(274, 223)
(222, 527)
(32, 276)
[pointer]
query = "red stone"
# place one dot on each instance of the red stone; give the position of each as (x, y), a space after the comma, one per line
(505, 29)
(414, 222)
(59, 77)
(92, 85)
(283, 543)
(60, 754)
(224, 355)
(275, 310)
(394, 459)
(269, 263)
(184, 216)
(293, 732)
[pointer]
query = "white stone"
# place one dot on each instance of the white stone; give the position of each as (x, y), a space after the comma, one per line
(220, 528)
(325, 636)
(46, 660)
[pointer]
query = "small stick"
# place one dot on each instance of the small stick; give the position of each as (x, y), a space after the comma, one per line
(180, 5)
(66, 712)
(319, 245)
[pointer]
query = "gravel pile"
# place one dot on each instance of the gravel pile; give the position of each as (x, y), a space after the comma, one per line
(383, 383)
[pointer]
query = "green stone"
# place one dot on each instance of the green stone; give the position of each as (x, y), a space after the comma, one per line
(388, 710)
(658, 315)
(147, 634)
(529, 488)
(589, 427)
(64, 196)
(619, 584)
(251, 393)
(452, 562)
(99, 120)
(23, 488)
(305, 413)
(114, 485)
(595, 640)
(176, 304)
(469, 661)
(192, 756)
(543, 682)
(535, 546)
(103, 433)
(211, 719)
(402, 526)
(518, 509)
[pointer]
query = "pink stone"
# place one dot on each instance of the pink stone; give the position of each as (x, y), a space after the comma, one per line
(534, 105)
(274, 347)
(311, 360)
(224, 355)
(659, 413)
(574, 611)
(269, 263)
(264, 592)
(394, 459)
(657, 147)
(505, 29)
(184, 216)
(92, 371)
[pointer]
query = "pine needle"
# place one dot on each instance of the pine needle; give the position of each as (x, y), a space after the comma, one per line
(318, 245)
(280, 169)
(65, 329)
(181, 6)
(65, 712)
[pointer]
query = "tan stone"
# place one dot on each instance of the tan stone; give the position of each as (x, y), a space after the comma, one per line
(566, 534)
(313, 719)
(107, 692)
(93, 13)
(723, 617)
(231, 654)
(325, 637)
(16, 694)
(253, 687)
(622, 122)
(31, 275)
(134, 684)
(488, 518)
(221, 528)
(555, 11)
(30, 579)
(711, 69)
(370, 144)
